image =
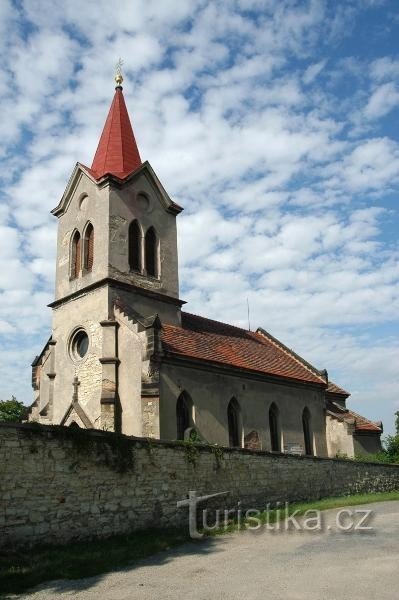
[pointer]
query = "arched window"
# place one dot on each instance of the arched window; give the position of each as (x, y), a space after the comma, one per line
(88, 248)
(234, 422)
(274, 426)
(135, 246)
(151, 252)
(76, 252)
(184, 416)
(307, 431)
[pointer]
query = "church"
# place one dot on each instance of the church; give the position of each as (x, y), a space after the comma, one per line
(124, 356)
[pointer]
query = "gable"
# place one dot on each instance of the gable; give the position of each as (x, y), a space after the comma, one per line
(79, 174)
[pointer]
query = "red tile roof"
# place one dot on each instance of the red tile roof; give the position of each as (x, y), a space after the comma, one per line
(117, 153)
(361, 423)
(333, 388)
(215, 342)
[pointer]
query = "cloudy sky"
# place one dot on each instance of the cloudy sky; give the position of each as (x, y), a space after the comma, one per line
(273, 122)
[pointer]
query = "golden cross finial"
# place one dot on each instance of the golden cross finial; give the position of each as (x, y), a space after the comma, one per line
(118, 73)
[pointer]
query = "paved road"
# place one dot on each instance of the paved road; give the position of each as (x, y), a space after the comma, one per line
(292, 565)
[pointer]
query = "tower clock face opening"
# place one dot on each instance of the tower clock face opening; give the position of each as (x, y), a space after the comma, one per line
(79, 344)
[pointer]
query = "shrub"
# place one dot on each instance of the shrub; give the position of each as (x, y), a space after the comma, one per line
(11, 411)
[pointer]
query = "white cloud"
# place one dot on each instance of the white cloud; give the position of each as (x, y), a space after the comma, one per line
(384, 99)
(384, 68)
(313, 71)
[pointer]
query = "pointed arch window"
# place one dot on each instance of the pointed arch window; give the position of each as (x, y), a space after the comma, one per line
(135, 261)
(151, 252)
(88, 248)
(307, 431)
(274, 427)
(184, 417)
(76, 253)
(234, 423)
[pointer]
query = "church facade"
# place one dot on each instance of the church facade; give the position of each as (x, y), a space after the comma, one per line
(124, 356)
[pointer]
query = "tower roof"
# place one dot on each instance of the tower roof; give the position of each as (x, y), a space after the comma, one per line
(117, 153)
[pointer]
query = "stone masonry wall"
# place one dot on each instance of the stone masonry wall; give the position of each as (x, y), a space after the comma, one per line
(59, 484)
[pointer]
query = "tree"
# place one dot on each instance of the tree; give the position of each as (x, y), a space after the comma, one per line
(11, 411)
(397, 422)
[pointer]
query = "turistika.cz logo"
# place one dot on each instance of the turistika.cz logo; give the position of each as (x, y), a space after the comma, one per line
(278, 517)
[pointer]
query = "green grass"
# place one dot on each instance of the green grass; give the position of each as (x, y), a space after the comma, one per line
(300, 508)
(19, 572)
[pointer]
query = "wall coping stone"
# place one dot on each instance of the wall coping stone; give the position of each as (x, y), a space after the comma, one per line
(109, 437)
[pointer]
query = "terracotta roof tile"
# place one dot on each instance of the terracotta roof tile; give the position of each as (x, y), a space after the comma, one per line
(333, 388)
(212, 341)
(361, 423)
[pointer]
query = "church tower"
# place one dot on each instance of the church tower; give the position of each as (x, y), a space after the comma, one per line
(116, 278)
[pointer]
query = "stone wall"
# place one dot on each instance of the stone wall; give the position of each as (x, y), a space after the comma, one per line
(59, 484)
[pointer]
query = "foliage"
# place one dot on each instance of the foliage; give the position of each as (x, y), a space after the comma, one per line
(392, 447)
(191, 451)
(11, 411)
(379, 457)
(218, 453)
(388, 455)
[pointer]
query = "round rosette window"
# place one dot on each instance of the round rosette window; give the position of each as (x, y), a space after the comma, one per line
(79, 344)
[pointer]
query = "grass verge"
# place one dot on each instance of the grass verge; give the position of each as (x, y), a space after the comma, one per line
(21, 571)
(300, 508)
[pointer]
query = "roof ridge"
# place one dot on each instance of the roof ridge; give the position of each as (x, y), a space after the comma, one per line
(262, 332)
(219, 322)
(364, 418)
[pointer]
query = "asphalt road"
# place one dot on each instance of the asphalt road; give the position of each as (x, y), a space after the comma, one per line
(294, 565)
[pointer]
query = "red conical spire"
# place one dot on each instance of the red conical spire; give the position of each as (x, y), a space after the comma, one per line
(117, 153)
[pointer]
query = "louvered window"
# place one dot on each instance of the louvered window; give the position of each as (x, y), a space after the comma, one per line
(151, 253)
(135, 246)
(89, 248)
(76, 255)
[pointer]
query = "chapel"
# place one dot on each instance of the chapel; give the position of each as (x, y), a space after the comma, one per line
(124, 355)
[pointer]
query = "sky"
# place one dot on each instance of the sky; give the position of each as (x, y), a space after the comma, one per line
(275, 123)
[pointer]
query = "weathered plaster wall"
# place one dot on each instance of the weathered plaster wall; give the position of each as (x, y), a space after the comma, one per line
(87, 312)
(58, 484)
(339, 438)
(88, 202)
(211, 392)
(130, 351)
(140, 199)
(366, 444)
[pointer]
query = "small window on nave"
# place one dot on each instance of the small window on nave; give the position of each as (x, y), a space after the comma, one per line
(184, 414)
(234, 424)
(307, 431)
(274, 427)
